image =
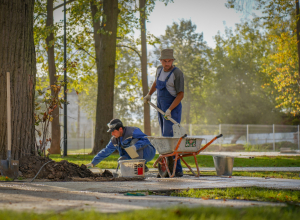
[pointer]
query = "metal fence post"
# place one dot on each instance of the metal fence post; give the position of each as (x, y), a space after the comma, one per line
(273, 137)
(220, 132)
(92, 134)
(298, 139)
(247, 134)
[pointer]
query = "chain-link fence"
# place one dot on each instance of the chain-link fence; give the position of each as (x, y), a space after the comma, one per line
(235, 137)
(247, 137)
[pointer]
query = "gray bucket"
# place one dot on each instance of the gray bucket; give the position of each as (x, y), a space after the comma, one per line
(223, 165)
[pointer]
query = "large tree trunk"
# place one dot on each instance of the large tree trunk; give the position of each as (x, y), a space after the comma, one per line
(298, 37)
(55, 127)
(147, 125)
(106, 74)
(17, 56)
(96, 26)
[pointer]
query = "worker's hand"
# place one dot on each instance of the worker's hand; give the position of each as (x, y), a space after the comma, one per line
(89, 165)
(167, 114)
(147, 98)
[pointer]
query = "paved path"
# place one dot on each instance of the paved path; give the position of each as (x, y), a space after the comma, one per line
(108, 196)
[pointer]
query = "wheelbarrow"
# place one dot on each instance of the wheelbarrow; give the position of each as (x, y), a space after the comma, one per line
(169, 147)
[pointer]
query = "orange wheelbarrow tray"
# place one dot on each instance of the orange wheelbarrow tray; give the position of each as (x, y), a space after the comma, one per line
(169, 147)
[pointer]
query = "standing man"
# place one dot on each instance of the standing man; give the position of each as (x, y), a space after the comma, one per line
(169, 84)
(131, 143)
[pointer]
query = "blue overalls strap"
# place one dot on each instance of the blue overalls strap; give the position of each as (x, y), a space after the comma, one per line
(168, 75)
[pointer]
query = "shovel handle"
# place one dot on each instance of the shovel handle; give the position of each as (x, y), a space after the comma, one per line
(8, 114)
(163, 113)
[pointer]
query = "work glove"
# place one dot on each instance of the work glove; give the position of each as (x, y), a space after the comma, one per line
(147, 98)
(133, 147)
(167, 114)
(89, 165)
(131, 151)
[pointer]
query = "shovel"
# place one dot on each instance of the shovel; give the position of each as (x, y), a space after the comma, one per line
(115, 174)
(9, 167)
(178, 130)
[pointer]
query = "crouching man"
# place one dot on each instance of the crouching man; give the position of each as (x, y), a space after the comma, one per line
(131, 143)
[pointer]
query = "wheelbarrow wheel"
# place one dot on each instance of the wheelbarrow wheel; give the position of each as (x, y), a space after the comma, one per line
(162, 169)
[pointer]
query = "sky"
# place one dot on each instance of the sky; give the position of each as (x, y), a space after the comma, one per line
(210, 16)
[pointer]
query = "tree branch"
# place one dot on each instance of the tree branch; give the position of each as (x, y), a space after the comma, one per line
(80, 48)
(131, 49)
(70, 1)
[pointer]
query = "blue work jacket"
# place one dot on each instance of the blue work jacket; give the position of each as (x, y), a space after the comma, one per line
(129, 133)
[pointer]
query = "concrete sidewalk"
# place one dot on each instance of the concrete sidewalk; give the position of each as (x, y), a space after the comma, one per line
(108, 196)
(246, 169)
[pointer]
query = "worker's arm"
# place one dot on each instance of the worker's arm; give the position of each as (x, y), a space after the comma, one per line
(177, 100)
(153, 89)
(142, 140)
(108, 150)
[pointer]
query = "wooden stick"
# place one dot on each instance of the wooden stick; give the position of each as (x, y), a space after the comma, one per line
(8, 113)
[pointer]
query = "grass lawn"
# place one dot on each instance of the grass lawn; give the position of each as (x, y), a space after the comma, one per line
(203, 161)
(251, 193)
(182, 213)
(263, 174)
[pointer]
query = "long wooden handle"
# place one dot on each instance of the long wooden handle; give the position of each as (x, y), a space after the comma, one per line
(160, 111)
(8, 113)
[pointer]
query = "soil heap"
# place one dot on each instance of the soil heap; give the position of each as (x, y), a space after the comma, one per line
(56, 171)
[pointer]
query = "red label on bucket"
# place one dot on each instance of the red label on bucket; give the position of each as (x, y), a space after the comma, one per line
(140, 171)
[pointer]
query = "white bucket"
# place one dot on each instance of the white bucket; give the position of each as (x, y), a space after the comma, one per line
(132, 168)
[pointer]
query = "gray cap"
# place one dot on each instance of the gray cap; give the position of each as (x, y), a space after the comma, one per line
(166, 54)
(114, 124)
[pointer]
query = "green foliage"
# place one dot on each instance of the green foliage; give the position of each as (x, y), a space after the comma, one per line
(174, 213)
(251, 193)
(5, 178)
(280, 62)
(236, 95)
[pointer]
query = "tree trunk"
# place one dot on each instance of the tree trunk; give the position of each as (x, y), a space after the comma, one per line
(147, 125)
(17, 56)
(96, 26)
(106, 73)
(298, 37)
(55, 127)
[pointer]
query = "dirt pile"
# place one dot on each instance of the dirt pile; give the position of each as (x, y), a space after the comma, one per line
(56, 171)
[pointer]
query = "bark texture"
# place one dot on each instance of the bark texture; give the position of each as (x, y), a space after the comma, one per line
(17, 56)
(147, 125)
(298, 37)
(55, 127)
(106, 73)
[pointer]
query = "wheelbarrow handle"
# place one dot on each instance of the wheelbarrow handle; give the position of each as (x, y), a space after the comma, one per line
(220, 135)
(209, 143)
